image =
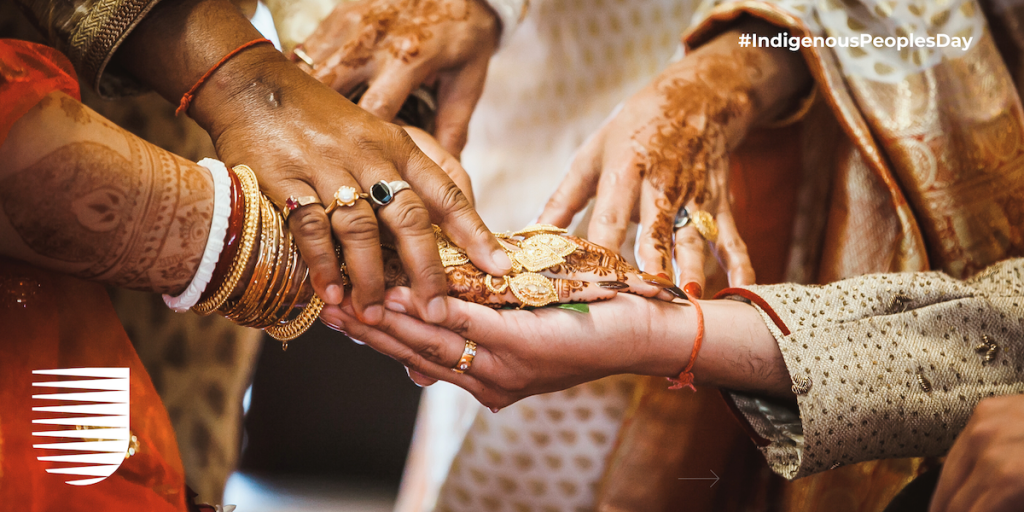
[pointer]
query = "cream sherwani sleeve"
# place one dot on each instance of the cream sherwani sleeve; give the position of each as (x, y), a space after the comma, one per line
(885, 365)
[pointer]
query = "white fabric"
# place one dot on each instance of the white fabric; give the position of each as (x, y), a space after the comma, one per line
(215, 241)
(264, 22)
(510, 12)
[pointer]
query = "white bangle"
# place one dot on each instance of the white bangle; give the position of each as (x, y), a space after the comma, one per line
(510, 13)
(215, 241)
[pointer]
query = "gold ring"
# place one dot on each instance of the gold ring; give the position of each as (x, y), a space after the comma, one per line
(294, 203)
(705, 225)
(345, 196)
(466, 361)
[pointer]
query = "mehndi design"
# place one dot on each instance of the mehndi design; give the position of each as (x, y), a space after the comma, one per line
(548, 266)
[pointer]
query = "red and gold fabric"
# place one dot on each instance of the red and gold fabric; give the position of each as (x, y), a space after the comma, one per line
(53, 321)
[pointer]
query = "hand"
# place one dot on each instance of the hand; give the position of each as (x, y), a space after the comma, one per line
(525, 352)
(668, 147)
(398, 45)
(548, 267)
(448, 163)
(302, 139)
(984, 470)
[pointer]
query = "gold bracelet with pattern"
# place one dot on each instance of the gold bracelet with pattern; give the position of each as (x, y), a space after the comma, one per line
(291, 330)
(251, 194)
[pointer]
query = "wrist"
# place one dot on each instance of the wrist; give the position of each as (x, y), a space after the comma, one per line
(670, 341)
(244, 89)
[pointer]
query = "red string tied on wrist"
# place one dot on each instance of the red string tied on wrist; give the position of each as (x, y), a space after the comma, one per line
(186, 99)
(685, 378)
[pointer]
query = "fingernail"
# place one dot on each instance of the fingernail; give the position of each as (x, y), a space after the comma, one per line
(418, 378)
(501, 260)
(437, 310)
(333, 294)
(657, 280)
(694, 289)
(333, 324)
(394, 306)
(612, 285)
(373, 314)
(357, 342)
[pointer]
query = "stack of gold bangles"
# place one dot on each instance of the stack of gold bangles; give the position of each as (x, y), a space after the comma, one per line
(279, 286)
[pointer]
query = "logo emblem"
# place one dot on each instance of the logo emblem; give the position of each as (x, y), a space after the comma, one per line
(94, 414)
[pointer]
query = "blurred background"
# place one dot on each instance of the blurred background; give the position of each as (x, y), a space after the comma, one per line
(327, 427)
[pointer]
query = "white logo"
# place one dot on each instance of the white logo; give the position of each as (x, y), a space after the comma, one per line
(100, 425)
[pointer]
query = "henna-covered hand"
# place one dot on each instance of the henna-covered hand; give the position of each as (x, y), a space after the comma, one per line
(398, 45)
(668, 147)
(549, 266)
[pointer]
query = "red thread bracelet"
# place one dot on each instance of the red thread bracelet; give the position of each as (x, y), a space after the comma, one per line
(186, 99)
(685, 378)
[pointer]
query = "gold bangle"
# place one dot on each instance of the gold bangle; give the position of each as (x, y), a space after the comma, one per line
(252, 307)
(291, 330)
(250, 192)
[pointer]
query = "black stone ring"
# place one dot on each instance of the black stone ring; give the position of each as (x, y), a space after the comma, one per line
(383, 192)
(682, 218)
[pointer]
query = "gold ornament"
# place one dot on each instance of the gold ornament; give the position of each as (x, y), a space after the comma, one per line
(451, 254)
(705, 225)
(533, 289)
(540, 228)
(540, 252)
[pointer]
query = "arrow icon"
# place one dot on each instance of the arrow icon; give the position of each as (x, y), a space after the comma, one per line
(712, 483)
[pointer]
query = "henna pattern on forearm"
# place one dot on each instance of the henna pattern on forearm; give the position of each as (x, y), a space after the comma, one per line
(139, 222)
(689, 140)
(400, 27)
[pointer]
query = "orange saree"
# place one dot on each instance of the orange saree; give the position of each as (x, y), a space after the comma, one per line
(54, 321)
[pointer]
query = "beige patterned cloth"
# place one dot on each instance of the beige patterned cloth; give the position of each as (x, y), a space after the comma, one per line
(887, 365)
(88, 32)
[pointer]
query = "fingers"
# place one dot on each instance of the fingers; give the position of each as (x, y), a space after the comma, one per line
(689, 257)
(451, 165)
(358, 233)
(420, 352)
(457, 96)
(390, 88)
(732, 250)
(454, 212)
(408, 219)
(618, 191)
(955, 470)
(572, 290)
(654, 240)
(578, 186)
(312, 231)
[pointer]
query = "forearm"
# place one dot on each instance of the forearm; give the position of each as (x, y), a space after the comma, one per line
(737, 351)
(180, 41)
(84, 197)
(867, 354)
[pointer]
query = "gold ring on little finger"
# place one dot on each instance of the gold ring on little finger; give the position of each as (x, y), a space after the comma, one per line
(468, 353)
(705, 224)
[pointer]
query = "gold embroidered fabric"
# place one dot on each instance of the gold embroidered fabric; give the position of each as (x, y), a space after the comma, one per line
(88, 32)
(889, 365)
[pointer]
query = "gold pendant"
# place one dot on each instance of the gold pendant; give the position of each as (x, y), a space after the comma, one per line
(544, 251)
(451, 254)
(533, 289)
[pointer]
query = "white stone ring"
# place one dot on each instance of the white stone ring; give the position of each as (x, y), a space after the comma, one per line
(383, 192)
(345, 196)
